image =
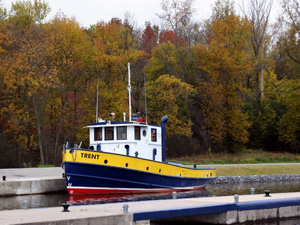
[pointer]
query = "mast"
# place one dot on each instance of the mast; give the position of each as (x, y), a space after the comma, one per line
(129, 91)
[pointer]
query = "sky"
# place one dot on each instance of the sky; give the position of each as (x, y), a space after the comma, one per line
(89, 12)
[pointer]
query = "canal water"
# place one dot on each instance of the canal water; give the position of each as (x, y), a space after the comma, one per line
(54, 200)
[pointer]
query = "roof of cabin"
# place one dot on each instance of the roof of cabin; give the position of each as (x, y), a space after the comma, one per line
(119, 123)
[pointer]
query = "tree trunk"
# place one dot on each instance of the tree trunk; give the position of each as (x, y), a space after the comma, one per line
(39, 132)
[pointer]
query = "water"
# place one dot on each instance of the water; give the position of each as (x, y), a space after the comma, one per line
(33, 201)
(291, 221)
(54, 200)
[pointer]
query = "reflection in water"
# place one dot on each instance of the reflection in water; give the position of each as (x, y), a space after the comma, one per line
(101, 199)
(32, 201)
(292, 221)
(52, 200)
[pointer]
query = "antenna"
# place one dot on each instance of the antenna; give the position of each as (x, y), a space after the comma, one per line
(146, 110)
(129, 91)
(97, 101)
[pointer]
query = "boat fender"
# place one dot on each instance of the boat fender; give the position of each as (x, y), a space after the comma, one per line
(127, 149)
(154, 153)
(98, 147)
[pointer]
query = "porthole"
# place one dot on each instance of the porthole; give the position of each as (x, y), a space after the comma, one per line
(144, 133)
(105, 161)
(126, 164)
(147, 168)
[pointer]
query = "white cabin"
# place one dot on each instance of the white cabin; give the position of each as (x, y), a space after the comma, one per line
(127, 138)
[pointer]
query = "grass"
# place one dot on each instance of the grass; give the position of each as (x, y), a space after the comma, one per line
(43, 166)
(257, 170)
(242, 157)
(247, 156)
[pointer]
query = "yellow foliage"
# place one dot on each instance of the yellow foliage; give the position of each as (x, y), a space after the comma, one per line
(168, 95)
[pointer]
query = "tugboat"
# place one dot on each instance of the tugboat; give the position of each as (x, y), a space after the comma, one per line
(128, 157)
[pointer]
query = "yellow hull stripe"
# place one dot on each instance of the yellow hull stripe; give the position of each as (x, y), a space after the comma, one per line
(122, 161)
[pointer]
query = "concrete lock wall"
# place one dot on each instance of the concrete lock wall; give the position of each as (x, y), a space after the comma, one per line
(232, 217)
(26, 187)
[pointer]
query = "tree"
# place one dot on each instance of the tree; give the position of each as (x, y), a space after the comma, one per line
(112, 57)
(149, 39)
(26, 75)
(287, 47)
(162, 61)
(258, 14)
(24, 13)
(222, 88)
(222, 9)
(172, 37)
(289, 124)
(168, 95)
(177, 17)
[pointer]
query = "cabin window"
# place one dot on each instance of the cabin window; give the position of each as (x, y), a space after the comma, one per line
(144, 133)
(109, 133)
(153, 134)
(121, 133)
(98, 134)
(137, 133)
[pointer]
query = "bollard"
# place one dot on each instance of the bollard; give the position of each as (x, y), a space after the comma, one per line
(267, 193)
(195, 166)
(236, 198)
(4, 178)
(125, 208)
(25, 204)
(174, 195)
(252, 191)
(65, 206)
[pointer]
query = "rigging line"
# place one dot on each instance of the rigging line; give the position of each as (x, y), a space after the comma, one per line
(146, 110)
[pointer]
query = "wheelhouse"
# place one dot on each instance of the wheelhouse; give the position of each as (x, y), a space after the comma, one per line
(127, 138)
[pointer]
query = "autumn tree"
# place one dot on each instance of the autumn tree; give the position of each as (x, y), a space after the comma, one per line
(149, 39)
(73, 57)
(177, 17)
(167, 95)
(112, 56)
(223, 87)
(258, 13)
(172, 37)
(26, 76)
(286, 51)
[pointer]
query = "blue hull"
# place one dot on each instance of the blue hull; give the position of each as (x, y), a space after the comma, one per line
(99, 179)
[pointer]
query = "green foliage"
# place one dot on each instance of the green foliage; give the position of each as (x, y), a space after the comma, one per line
(289, 124)
(24, 13)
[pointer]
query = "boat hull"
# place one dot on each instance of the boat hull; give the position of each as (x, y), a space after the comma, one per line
(93, 179)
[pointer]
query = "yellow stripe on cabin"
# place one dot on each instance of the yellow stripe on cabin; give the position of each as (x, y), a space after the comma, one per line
(109, 159)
